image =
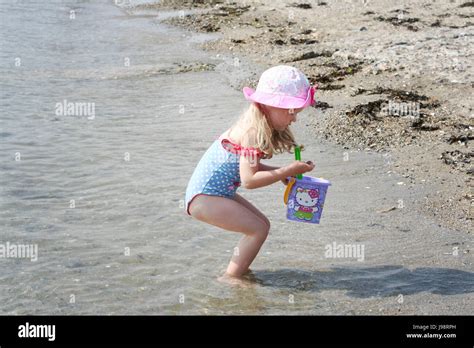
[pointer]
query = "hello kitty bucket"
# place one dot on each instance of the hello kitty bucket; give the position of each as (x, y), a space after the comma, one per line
(305, 198)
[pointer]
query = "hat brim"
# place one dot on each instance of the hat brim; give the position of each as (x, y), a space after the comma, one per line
(279, 101)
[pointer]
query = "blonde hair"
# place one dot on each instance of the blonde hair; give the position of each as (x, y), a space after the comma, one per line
(259, 133)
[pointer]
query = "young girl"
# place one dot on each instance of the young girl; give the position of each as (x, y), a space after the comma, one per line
(234, 160)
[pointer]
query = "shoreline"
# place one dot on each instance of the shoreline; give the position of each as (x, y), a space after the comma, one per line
(429, 144)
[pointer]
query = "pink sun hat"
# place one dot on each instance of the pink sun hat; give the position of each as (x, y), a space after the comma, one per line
(283, 87)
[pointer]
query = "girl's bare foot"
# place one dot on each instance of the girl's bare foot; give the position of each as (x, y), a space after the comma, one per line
(243, 281)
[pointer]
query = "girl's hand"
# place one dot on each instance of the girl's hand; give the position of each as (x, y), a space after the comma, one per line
(300, 167)
(284, 181)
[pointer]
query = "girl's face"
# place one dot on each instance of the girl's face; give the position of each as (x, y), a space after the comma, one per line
(280, 119)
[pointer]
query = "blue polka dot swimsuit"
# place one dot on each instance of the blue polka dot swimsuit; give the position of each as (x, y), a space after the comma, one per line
(218, 171)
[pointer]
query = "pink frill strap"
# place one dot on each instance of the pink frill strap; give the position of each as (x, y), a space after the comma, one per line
(240, 150)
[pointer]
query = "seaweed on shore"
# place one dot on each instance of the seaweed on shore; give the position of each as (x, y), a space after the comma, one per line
(372, 123)
(300, 41)
(330, 87)
(310, 55)
(401, 96)
(220, 15)
(460, 138)
(322, 105)
(467, 4)
(303, 6)
(179, 4)
(421, 125)
(400, 21)
(458, 160)
(336, 73)
(367, 112)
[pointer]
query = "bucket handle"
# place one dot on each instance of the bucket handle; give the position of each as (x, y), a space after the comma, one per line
(290, 184)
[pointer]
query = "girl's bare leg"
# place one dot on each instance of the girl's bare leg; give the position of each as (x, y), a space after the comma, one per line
(252, 208)
(231, 215)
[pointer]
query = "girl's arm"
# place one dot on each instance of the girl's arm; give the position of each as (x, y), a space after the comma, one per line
(262, 166)
(267, 168)
(251, 177)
